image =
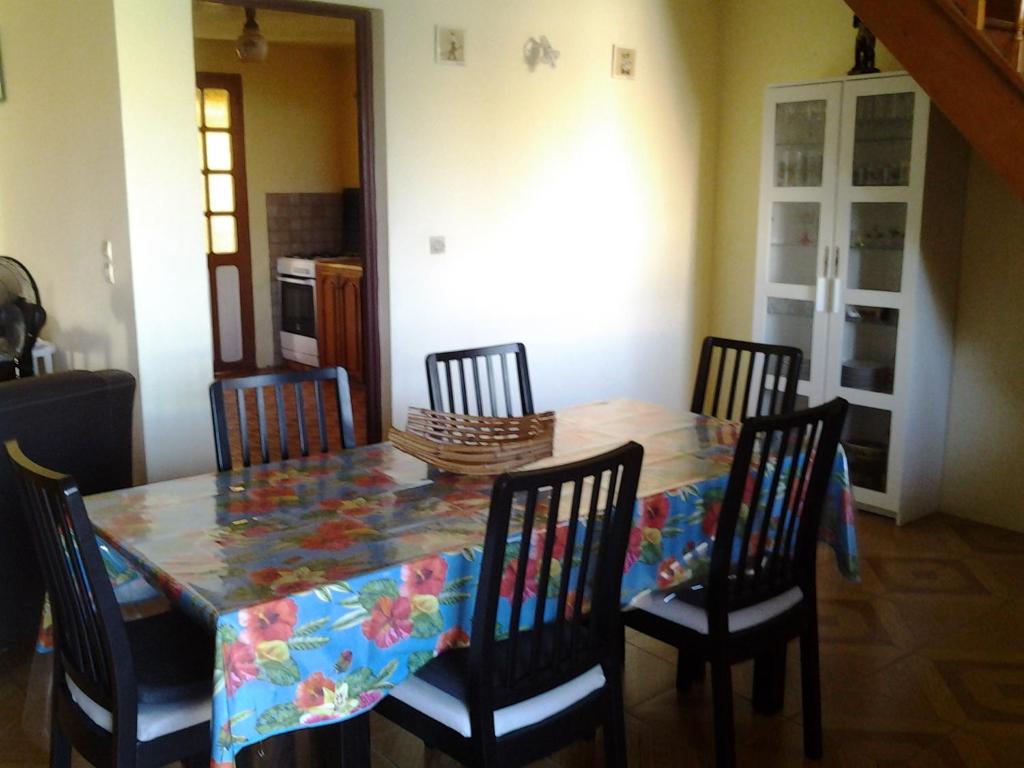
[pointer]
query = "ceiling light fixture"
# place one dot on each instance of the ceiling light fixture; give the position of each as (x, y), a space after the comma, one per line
(251, 45)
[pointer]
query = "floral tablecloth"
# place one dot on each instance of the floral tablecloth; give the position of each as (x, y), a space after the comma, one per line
(329, 580)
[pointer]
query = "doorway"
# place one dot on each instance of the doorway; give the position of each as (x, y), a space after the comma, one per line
(309, 163)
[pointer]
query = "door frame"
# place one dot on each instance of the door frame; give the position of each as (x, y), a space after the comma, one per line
(361, 17)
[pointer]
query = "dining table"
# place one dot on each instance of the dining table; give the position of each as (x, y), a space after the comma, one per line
(327, 580)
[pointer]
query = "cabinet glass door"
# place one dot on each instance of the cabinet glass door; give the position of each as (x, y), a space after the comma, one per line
(878, 213)
(797, 218)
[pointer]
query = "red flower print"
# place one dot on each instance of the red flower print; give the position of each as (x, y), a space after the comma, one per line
(369, 698)
(310, 692)
(336, 534)
(508, 579)
(239, 666)
(710, 522)
(274, 620)
(655, 512)
(389, 621)
(424, 577)
(633, 551)
(557, 549)
(455, 637)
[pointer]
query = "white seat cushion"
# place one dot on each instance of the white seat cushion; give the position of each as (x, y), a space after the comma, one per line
(155, 720)
(452, 712)
(681, 612)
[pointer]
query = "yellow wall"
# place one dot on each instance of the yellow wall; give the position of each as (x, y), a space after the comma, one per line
(983, 477)
(783, 41)
(797, 40)
(301, 135)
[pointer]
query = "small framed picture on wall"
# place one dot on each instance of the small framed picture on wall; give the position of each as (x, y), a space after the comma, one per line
(623, 62)
(449, 45)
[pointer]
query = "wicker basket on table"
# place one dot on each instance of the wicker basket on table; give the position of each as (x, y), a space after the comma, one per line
(475, 445)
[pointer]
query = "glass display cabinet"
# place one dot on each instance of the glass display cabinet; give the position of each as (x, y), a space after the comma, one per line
(860, 217)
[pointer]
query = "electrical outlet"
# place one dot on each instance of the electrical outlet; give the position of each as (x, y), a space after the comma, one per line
(437, 244)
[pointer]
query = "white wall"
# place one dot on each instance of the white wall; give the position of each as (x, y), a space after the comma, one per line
(576, 207)
(171, 294)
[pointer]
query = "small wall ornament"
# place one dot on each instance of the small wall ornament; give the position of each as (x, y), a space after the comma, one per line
(539, 52)
(449, 45)
(623, 62)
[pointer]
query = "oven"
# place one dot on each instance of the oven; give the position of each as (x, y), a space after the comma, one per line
(297, 279)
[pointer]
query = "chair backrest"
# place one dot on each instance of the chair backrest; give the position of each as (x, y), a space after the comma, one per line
(90, 641)
(465, 381)
(79, 423)
(298, 398)
(547, 607)
(729, 370)
(768, 523)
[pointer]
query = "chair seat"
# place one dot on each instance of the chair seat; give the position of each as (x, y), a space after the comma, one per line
(695, 617)
(173, 659)
(450, 710)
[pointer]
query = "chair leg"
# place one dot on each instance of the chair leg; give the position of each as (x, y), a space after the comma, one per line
(689, 670)
(725, 732)
(60, 747)
(770, 680)
(615, 729)
(810, 683)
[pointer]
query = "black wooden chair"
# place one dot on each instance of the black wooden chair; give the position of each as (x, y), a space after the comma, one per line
(472, 387)
(760, 590)
(290, 407)
(124, 694)
(532, 682)
(730, 369)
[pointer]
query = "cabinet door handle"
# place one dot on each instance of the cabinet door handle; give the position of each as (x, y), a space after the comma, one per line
(836, 298)
(821, 302)
(835, 267)
(826, 261)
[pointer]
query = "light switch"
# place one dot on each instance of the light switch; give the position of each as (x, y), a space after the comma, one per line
(437, 244)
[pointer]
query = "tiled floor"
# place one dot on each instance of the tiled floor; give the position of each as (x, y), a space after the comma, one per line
(922, 665)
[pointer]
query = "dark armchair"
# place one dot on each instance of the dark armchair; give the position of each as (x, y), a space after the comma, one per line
(79, 423)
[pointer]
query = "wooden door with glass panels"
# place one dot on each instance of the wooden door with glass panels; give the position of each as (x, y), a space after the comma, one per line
(229, 259)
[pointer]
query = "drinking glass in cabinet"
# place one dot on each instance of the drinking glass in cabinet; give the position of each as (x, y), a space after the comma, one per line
(882, 139)
(799, 143)
(876, 246)
(869, 348)
(866, 442)
(794, 244)
(791, 322)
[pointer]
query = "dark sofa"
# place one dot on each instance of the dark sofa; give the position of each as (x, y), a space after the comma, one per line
(78, 422)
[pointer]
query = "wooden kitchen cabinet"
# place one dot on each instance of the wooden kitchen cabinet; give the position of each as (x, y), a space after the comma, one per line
(340, 314)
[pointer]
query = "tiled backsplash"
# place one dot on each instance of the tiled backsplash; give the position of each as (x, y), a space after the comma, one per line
(305, 222)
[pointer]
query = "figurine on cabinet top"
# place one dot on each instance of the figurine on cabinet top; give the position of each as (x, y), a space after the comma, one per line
(864, 50)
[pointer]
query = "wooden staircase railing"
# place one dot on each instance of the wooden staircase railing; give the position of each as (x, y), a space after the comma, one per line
(1003, 22)
(967, 75)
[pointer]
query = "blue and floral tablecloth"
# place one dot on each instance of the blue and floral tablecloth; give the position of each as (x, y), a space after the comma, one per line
(329, 580)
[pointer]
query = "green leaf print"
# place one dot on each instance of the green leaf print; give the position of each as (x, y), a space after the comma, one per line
(310, 627)
(308, 643)
(650, 553)
(453, 598)
(418, 659)
(457, 584)
(278, 717)
(374, 590)
(281, 672)
(360, 681)
(350, 620)
(426, 624)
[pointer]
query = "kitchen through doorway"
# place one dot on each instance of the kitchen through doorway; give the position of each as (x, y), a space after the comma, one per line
(284, 115)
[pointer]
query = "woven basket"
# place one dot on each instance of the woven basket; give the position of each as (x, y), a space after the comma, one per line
(475, 445)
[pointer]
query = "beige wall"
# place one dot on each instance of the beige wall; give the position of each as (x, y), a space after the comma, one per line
(62, 182)
(62, 178)
(576, 207)
(301, 135)
(983, 477)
